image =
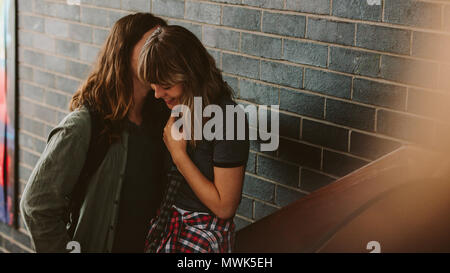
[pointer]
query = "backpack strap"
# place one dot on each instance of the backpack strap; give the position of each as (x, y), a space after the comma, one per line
(98, 147)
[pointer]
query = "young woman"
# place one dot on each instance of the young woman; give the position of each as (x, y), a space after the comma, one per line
(179, 68)
(124, 192)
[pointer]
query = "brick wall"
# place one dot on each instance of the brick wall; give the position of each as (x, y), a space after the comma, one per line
(350, 78)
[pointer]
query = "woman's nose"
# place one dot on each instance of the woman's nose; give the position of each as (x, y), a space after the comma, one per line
(159, 92)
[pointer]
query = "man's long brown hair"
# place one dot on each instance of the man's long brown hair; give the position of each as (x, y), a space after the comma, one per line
(108, 90)
(173, 55)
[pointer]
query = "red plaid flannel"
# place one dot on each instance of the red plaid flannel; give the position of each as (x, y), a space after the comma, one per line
(195, 232)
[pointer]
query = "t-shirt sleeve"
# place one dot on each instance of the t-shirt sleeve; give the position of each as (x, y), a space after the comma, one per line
(231, 153)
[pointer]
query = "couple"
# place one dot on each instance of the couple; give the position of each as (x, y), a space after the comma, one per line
(149, 191)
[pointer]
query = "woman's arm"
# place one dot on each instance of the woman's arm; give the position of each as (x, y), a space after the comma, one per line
(222, 195)
(43, 204)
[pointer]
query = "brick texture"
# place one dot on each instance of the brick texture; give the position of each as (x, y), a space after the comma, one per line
(344, 73)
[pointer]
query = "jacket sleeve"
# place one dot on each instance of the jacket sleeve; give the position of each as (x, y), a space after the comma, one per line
(44, 202)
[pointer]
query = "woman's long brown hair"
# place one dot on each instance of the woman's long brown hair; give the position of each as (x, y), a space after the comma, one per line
(108, 90)
(173, 55)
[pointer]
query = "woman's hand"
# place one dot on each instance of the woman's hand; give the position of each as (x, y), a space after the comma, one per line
(177, 148)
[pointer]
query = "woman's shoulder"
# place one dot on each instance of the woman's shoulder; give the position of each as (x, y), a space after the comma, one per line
(77, 123)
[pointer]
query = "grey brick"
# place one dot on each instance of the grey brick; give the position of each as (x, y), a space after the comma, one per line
(403, 126)
(239, 65)
(24, 5)
(258, 93)
(43, 42)
(354, 61)
(21, 238)
(136, 5)
(284, 24)
(55, 64)
(30, 22)
(232, 82)
(31, 143)
(413, 13)
(24, 173)
(383, 38)
(95, 16)
(194, 28)
(28, 158)
(44, 78)
(289, 126)
(221, 38)
(78, 70)
(227, 1)
(242, 18)
(100, 36)
(283, 74)
(31, 57)
(312, 181)
(201, 12)
(331, 31)
(114, 16)
(245, 207)
(305, 53)
(302, 103)
(25, 38)
(309, 6)
(325, 135)
(351, 115)
(287, 196)
(43, 7)
(328, 83)
(357, 9)
(240, 223)
(278, 171)
(381, 94)
(269, 4)
(33, 92)
(262, 46)
(56, 27)
(216, 55)
(251, 163)
(103, 3)
(263, 210)
(25, 73)
(37, 111)
(88, 53)
(31, 126)
(68, 49)
(415, 72)
(80, 33)
(67, 85)
(340, 164)
(370, 146)
(55, 9)
(65, 11)
(298, 153)
(258, 188)
(171, 8)
(57, 100)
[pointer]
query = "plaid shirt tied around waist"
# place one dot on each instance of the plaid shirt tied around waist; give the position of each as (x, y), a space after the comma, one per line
(174, 230)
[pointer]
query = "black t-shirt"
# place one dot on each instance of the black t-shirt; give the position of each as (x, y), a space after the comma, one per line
(142, 187)
(208, 154)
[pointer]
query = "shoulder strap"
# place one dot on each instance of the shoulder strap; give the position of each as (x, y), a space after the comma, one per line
(98, 147)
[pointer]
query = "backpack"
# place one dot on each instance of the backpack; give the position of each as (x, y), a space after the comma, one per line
(98, 147)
